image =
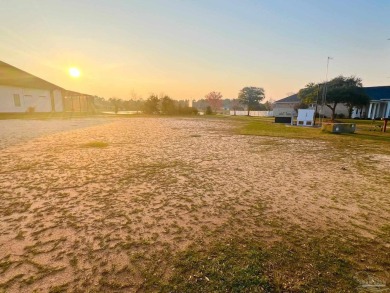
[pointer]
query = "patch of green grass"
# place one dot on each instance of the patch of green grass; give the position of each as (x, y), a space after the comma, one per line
(73, 261)
(14, 279)
(265, 126)
(16, 207)
(59, 289)
(224, 267)
(248, 265)
(385, 232)
(20, 236)
(95, 144)
(5, 264)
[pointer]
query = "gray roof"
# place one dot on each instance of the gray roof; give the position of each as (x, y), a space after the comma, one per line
(289, 99)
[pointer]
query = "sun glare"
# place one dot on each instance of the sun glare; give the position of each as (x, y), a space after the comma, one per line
(74, 72)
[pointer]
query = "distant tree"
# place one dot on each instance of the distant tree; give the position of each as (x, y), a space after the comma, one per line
(168, 105)
(235, 105)
(101, 103)
(151, 105)
(208, 111)
(355, 98)
(117, 103)
(339, 90)
(269, 105)
(214, 100)
(310, 93)
(259, 107)
(133, 105)
(251, 97)
(200, 104)
(300, 105)
(226, 104)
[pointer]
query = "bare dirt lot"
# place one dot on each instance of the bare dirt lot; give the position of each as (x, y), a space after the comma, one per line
(107, 206)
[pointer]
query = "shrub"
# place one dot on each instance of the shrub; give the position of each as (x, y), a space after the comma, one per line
(209, 111)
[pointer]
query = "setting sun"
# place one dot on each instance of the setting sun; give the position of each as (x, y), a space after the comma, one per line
(74, 72)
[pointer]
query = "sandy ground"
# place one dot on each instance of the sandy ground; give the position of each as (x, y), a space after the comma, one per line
(17, 131)
(76, 217)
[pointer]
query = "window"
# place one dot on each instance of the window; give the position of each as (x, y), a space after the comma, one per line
(17, 100)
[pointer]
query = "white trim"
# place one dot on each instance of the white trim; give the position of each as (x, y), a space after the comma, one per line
(388, 110)
(369, 111)
(375, 111)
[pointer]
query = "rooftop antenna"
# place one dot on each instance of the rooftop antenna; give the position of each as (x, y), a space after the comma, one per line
(323, 102)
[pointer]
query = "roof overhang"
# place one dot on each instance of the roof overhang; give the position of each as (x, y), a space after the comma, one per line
(75, 94)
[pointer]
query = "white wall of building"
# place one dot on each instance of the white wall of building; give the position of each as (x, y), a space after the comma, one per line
(19, 100)
(58, 103)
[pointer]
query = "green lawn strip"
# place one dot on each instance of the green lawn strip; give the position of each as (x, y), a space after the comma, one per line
(247, 265)
(264, 126)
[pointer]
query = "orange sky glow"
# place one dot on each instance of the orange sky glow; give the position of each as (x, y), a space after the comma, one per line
(186, 49)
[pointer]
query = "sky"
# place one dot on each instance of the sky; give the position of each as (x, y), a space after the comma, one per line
(186, 49)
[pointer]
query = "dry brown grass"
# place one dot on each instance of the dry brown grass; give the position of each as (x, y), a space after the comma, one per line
(117, 218)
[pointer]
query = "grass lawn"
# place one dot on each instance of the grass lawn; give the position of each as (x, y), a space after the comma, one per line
(265, 126)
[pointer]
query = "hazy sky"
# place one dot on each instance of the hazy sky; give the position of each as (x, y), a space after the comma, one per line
(189, 48)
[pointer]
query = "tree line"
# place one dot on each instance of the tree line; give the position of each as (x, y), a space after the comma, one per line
(340, 90)
(167, 106)
(152, 105)
(249, 98)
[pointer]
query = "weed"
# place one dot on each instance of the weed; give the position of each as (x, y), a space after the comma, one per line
(73, 261)
(95, 144)
(59, 289)
(20, 235)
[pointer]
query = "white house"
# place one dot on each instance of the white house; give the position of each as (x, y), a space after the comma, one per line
(379, 103)
(23, 92)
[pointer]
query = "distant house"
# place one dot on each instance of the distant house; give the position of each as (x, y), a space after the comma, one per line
(22, 92)
(293, 101)
(379, 104)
